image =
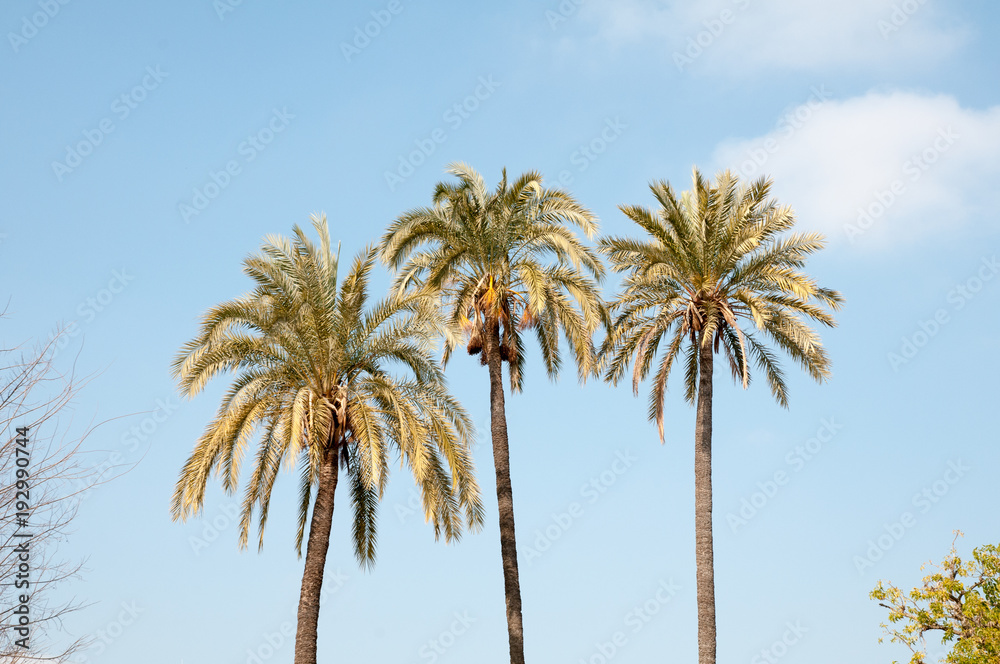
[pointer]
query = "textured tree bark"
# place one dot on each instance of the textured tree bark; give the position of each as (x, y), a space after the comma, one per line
(703, 509)
(316, 549)
(505, 497)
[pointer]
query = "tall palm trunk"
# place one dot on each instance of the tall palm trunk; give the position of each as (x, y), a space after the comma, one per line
(316, 548)
(703, 508)
(505, 497)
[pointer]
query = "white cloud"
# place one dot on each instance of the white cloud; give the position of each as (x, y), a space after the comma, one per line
(737, 36)
(880, 168)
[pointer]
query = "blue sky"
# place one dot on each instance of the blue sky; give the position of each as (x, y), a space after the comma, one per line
(148, 147)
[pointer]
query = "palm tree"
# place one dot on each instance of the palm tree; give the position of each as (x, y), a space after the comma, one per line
(311, 375)
(504, 262)
(715, 272)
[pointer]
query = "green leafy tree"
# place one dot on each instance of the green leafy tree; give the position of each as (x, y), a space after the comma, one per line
(504, 262)
(312, 376)
(714, 272)
(961, 600)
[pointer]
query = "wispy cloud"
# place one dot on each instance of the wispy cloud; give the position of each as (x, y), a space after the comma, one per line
(736, 36)
(878, 168)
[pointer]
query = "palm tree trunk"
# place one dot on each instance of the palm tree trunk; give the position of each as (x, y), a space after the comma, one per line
(316, 548)
(505, 497)
(703, 508)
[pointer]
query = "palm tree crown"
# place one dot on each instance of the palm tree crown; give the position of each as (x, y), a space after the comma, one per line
(311, 374)
(715, 270)
(507, 258)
